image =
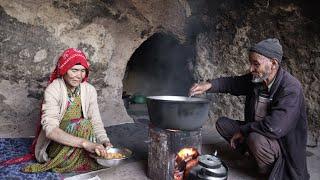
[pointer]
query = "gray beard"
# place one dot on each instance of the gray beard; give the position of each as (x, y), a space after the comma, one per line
(257, 79)
(265, 75)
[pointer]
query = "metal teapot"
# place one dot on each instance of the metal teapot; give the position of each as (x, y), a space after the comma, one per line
(210, 167)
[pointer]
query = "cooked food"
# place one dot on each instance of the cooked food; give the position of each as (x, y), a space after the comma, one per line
(115, 155)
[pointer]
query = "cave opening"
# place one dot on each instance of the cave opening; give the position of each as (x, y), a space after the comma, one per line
(160, 66)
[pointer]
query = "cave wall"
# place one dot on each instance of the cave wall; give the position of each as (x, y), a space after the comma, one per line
(228, 31)
(34, 32)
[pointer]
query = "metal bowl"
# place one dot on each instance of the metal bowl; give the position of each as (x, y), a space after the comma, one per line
(113, 162)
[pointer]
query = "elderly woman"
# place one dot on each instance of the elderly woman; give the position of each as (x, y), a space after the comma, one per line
(71, 123)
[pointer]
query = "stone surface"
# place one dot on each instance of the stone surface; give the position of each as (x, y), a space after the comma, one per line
(222, 49)
(33, 35)
(134, 136)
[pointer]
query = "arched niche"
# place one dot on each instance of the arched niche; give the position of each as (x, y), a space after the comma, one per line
(160, 66)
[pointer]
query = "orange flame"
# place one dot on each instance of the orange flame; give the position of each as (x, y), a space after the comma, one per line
(186, 159)
(186, 153)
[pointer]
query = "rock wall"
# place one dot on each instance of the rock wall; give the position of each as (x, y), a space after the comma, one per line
(230, 31)
(33, 33)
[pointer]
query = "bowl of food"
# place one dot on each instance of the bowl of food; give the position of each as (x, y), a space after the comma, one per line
(113, 157)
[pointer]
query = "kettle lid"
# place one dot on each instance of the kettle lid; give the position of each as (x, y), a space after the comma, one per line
(209, 161)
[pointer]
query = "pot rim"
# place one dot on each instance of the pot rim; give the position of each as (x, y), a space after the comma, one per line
(178, 99)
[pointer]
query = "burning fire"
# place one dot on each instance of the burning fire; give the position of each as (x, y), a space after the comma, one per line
(186, 159)
(187, 153)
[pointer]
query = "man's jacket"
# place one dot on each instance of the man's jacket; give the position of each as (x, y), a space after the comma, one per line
(286, 120)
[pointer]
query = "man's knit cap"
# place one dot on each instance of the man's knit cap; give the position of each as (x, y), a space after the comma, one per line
(270, 48)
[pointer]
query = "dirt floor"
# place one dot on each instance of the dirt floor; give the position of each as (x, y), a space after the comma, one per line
(134, 136)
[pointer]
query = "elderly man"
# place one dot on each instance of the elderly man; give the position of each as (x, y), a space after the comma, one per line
(275, 127)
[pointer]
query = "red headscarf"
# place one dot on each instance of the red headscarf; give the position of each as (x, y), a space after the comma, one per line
(67, 60)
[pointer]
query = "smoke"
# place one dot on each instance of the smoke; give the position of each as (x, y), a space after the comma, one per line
(160, 66)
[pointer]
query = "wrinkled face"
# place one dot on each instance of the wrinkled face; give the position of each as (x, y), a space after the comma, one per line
(260, 67)
(74, 76)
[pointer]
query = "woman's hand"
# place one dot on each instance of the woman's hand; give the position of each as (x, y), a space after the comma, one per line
(107, 144)
(199, 88)
(99, 149)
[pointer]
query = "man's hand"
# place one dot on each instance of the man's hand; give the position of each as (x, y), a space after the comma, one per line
(199, 88)
(236, 139)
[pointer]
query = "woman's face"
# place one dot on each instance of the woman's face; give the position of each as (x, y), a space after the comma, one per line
(74, 76)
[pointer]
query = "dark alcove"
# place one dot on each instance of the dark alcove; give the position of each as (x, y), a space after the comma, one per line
(160, 66)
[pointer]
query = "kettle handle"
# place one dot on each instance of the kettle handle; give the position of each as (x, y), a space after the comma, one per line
(215, 153)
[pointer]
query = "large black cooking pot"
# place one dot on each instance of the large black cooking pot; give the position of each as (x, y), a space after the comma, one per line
(177, 112)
